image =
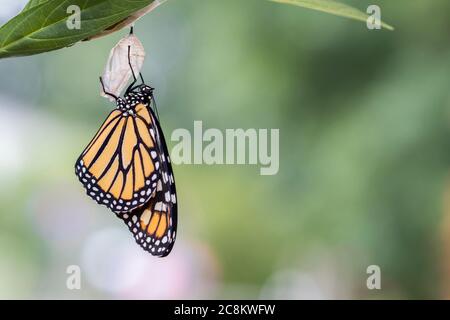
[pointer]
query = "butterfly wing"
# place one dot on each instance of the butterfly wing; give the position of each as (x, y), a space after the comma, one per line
(119, 167)
(154, 225)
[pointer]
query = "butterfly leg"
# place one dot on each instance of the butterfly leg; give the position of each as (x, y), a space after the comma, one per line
(107, 93)
(129, 58)
(130, 87)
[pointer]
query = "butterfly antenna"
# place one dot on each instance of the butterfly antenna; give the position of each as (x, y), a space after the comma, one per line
(156, 108)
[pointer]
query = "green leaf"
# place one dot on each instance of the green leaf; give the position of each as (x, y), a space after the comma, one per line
(43, 26)
(33, 3)
(129, 20)
(333, 7)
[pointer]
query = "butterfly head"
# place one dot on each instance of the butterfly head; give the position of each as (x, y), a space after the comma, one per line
(145, 94)
(145, 89)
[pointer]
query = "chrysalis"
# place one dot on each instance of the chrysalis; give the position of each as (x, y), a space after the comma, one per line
(117, 71)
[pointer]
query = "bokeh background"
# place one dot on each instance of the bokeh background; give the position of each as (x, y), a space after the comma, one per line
(364, 157)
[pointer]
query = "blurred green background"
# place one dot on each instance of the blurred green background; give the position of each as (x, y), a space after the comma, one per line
(364, 157)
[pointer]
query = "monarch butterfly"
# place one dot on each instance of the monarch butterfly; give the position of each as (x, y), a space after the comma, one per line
(127, 167)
